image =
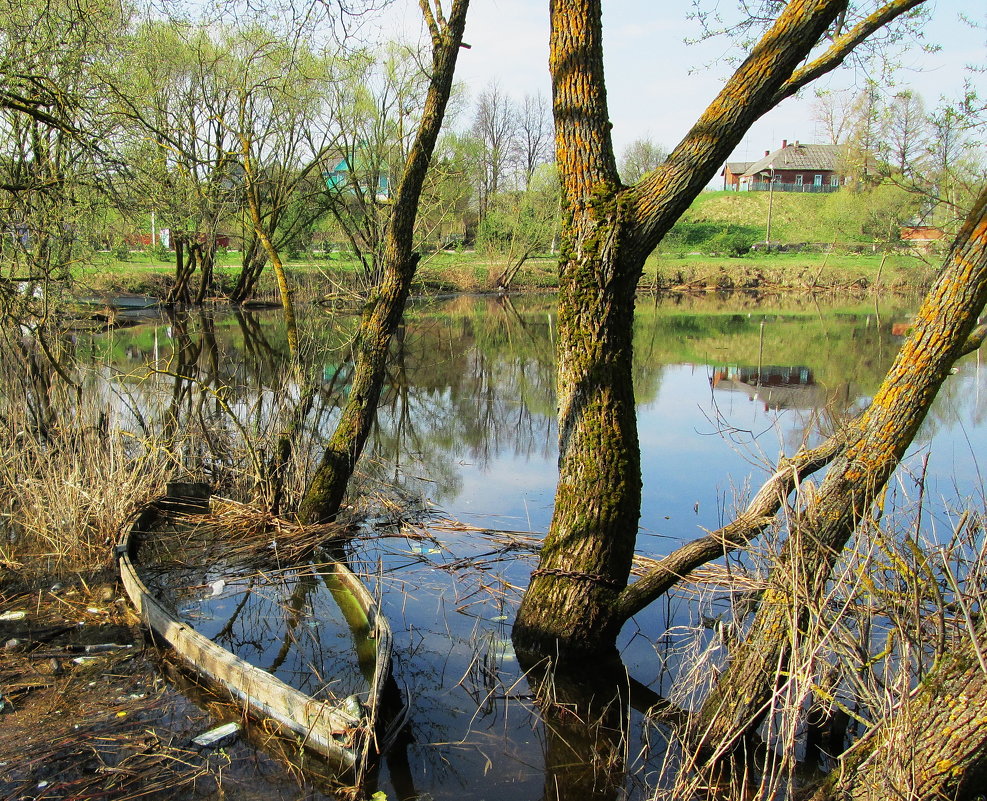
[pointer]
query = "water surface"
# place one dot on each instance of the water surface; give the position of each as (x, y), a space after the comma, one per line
(465, 447)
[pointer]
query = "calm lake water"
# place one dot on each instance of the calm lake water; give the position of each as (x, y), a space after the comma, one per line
(466, 444)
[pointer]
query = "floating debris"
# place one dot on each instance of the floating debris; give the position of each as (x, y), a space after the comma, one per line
(99, 648)
(18, 614)
(218, 737)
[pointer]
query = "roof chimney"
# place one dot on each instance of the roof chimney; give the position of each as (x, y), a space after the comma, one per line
(784, 143)
(797, 143)
(767, 152)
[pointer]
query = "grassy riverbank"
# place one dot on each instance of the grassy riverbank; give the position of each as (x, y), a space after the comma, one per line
(474, 272)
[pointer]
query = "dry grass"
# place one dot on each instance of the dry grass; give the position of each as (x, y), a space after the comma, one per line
(252, 536)
(65, 492)
(899, 599)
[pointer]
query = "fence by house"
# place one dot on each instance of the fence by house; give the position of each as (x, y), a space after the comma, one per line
(764, 186)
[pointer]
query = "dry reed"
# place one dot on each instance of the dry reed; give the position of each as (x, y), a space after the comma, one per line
(899, 599)
(66, 492)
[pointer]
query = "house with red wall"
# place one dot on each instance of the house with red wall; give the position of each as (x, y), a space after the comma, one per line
(732, 171)
(791, 168)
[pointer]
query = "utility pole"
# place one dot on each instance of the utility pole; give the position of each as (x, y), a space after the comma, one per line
(771, 197)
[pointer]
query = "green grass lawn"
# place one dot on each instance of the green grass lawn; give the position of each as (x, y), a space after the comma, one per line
(473, 272)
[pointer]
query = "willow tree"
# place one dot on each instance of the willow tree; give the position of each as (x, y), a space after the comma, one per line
(578, 598)
(58, 139)
(385, 304)
(174, 101)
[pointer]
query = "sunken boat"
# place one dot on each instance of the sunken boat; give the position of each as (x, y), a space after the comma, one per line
(326, 697)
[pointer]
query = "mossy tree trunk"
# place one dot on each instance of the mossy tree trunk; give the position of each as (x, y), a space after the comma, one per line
(385, 306)
(574, 602)
(944, 330)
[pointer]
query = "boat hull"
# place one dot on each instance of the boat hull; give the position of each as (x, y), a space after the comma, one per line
(323, 726)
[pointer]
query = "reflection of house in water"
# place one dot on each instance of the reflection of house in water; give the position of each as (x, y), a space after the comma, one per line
(776, 387)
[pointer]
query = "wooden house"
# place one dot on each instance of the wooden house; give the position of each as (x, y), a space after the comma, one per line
(732, 171)
(795, 168)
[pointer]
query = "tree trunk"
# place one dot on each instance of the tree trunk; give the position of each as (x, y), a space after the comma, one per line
(572, 603)
(207, 261)
(252, 265)
(877, 441)
(587, 555)
(385, 307)
(262, 236)
(180, 291)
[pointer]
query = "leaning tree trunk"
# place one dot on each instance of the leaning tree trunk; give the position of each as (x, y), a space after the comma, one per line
(385, 307)
(944, 330)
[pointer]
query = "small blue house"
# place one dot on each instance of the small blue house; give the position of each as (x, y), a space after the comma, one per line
(340, 177)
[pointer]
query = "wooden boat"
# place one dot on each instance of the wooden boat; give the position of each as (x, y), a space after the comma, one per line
(341, 730)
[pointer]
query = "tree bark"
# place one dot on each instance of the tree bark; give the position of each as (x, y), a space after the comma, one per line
(876, 443)
(385, 307)
(935, 745)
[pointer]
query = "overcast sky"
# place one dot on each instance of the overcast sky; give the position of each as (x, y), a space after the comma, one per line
(658, 85)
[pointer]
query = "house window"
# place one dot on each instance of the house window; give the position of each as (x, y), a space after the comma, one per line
(834, 180)
(798, 180)
(817, 180)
